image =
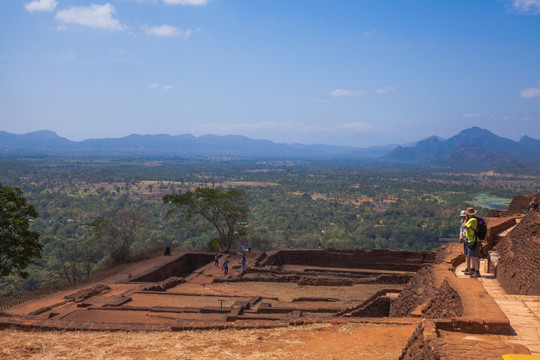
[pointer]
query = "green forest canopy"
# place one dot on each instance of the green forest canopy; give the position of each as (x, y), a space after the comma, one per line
(291, 204)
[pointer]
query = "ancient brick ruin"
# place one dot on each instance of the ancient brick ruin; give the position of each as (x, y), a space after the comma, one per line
(518, 268)
(452, 307)
(295, 286)
(186, 291)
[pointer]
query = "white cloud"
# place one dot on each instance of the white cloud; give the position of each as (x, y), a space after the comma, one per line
(186, 2)
(470, 116)
(41, 5)
(385, 90)
(370, 33)
(527, 6)
(166, 31)
(530, 93)
(345, 93)
(152, 86)
(167, 87)
(94, 16)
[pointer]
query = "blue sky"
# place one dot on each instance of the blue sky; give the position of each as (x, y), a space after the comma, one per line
(344, 72)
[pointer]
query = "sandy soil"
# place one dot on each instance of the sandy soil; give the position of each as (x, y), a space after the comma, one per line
(321, 341)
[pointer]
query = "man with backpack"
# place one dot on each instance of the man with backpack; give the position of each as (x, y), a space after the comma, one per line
(463, 239)
(473, 242)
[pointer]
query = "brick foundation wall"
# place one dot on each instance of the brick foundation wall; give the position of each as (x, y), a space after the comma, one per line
(518, 270)
(414, 294)
(353, 259)
(418, 344)
(495, 226)
(445, 304)
(427, 344)
(181, 266)
(497, 213)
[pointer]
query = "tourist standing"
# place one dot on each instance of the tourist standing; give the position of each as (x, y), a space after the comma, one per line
(226, 267)
(463, 239)
(472, 242)
(533, 205)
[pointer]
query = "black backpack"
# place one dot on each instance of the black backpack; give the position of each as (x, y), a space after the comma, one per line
(481, 228)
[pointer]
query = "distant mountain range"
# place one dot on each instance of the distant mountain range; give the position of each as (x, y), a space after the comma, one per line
(48, 143)
(471, 149)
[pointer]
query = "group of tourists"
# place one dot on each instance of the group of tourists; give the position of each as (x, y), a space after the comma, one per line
(225, 265)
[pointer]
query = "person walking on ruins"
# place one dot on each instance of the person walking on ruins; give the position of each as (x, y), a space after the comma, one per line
(472, 242)
(243, 263)
(216, 260)
(463, 239)
(226, 267)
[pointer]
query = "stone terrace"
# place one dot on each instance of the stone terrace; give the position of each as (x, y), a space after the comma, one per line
(187, 291)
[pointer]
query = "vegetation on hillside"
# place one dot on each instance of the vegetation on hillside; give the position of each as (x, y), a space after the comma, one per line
(19, 245)
(291, 204)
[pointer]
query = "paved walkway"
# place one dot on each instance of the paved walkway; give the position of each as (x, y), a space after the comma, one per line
(522, 311)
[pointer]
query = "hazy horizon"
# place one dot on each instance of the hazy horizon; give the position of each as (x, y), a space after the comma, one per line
(355, 73)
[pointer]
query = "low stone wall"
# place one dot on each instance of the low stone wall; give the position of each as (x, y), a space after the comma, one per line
(352, 259)
(497, 213)
(518, 269)
(165, 284)
(378, 305)
(314, 279)
(495, 226)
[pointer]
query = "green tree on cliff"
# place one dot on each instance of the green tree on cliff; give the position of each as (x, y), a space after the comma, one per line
(118, 232)
(19, 246)
(224, 210)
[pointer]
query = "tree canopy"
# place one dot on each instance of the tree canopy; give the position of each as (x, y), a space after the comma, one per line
(19, 246)
(225, 210)
(118, 233)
